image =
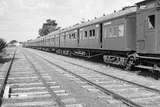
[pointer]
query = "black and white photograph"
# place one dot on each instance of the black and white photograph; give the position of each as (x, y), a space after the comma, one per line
(79, 53)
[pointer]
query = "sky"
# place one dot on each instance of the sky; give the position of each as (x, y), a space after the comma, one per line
(21, 19)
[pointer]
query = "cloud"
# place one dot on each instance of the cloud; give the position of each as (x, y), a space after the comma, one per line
(21, 19)
(3, 7)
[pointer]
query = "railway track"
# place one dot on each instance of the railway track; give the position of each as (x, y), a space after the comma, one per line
(45, 82)
(148, 88)
(112, 76)
(115, 77)
(28, 85)
(130, 93)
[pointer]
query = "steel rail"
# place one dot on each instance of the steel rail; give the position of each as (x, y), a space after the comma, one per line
(4, 82)
(54, 96)
(130, 82)
(108, 92)
(143, 86)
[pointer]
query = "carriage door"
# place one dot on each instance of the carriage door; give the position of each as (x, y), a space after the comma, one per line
(158, 29)
(101, 34)
(149, 33)
(78, 37)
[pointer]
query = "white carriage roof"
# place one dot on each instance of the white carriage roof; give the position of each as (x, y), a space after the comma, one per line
(129, 10)
(145, 1)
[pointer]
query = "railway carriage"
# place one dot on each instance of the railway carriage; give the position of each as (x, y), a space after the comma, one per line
(148, 34)
(119, 36)
(57, 39)
(129, 37)
(48, 41)
(62, 39)
(120, 33)
(148, 27)
(52, 40)
(43, 42)
(89, 37)
(70, 39)
(40, 41)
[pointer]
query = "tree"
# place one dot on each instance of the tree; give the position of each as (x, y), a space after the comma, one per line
(48, 27)
(2, 44)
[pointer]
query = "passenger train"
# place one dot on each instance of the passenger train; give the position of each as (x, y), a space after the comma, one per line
(129, 37)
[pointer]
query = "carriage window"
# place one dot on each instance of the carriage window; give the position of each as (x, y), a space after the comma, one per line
(73, 36)
(85, 34)
(151, 21)
(110, 32)
(92, 33)
(121, 30)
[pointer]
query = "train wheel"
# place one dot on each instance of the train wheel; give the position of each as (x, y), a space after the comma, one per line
(106, 60)
(156, 75)
(70, 53)
(156, 72)
(130, 63)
